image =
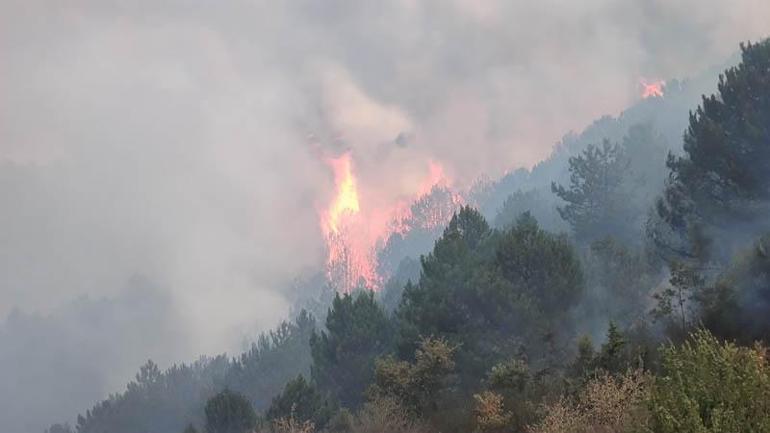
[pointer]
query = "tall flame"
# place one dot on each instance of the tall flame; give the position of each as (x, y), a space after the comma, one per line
(355, 229)
(346, 199)
(350, 262)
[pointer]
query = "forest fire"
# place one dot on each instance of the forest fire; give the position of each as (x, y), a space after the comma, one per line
(430, 214)
(349, 261)
(652, 89)
(355, 229)
(346, 199)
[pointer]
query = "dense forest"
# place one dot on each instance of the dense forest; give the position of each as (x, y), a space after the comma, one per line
(623, 285)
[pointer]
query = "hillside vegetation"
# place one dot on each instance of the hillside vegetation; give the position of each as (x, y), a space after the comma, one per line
(630, 292)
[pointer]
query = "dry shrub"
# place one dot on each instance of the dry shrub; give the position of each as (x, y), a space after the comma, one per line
(291, 425)
(415, 385)
(385, 415)
(617, 403)
(561, 417)
(611, 404)
(490, 413)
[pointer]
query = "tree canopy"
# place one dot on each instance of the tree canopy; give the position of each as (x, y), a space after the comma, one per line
(723, 177)
(229, 412)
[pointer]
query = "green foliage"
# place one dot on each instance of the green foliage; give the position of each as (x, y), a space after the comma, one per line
(720, 312)
(613, 185)
(584, 362)
(540, 265)
(390, 296)
(614, 355)
(512, 395)
(492, 294)
(166, 401)
(229, 412)
(155, 400)
(509, 375)
(595, 200)
(357, 331)
(712, 386)
(301, 401)
(415, 384)
(457, 292)
(619, 279)
(675, 301)
(341, 422)
(445, 272)
(278, 356)
(736, 305)
(723, 174)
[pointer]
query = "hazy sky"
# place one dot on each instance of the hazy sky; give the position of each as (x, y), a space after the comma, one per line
(170, 139)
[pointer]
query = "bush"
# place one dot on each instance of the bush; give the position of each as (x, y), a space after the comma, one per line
(490, 413)
(385, 415)
(301, 401)
(611, 404)
(292, 425)
(712, 386)
(229, 412)
(417, 384)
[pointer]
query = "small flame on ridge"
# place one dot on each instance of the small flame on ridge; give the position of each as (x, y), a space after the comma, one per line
(652, 89)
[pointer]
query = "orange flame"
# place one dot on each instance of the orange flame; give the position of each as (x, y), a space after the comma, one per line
(348, 265)
(353, 233)
(346, 199)
(653, 89)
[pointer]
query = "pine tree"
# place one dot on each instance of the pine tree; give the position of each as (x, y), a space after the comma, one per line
(613, 356)
(229, 412)
(595, 201)
(302, 402)
(357, 331)
(675, 301)
(724, 174)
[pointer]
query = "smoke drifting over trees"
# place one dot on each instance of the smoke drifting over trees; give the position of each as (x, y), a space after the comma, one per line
(162, 174)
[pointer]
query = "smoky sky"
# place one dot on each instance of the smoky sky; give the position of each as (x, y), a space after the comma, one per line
(172, 141)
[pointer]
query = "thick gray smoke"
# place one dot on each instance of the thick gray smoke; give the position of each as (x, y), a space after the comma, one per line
(170, 140)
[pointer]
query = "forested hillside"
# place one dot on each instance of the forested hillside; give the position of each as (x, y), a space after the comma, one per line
(623, 285)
